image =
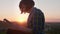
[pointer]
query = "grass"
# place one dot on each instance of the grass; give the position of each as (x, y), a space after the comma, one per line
(3, 32)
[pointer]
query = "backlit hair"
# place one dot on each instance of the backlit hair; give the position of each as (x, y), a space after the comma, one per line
(28, 3)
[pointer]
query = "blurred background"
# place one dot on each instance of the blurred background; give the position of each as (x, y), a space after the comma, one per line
(9, 9)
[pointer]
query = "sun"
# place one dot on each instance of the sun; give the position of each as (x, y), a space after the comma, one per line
(23, 18)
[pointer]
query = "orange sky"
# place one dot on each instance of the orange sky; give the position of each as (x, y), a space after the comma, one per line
(9, 9)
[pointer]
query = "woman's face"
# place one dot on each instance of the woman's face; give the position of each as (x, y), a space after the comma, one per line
(23, 9)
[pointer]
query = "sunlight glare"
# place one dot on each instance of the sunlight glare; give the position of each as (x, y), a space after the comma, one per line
(23, 18)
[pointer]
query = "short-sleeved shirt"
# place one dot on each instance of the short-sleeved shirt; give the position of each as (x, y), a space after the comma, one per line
(36, 21)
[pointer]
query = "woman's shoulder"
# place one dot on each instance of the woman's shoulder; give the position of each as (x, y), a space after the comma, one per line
(37, 11)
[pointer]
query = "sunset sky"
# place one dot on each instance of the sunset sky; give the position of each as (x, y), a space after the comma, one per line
(9, 9)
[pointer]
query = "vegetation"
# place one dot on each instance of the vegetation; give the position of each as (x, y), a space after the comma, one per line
(4, 32)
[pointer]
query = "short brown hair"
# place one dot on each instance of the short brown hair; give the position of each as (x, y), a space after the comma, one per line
(28, 3)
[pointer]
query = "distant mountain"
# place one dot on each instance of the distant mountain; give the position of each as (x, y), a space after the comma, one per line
(50, 26)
